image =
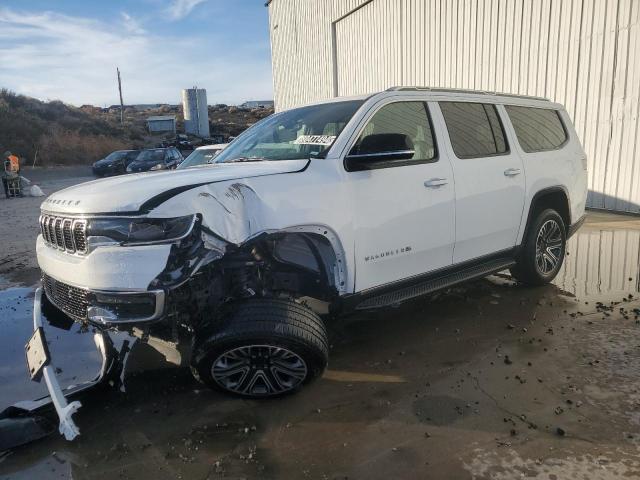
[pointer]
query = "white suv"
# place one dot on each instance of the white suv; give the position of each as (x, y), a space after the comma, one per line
(348, 204)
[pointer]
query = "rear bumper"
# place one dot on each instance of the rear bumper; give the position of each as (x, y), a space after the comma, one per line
(575, 226)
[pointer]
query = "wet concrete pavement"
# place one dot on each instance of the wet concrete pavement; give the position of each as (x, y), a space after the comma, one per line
(486, 380)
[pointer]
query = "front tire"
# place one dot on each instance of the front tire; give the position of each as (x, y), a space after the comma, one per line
(543, 250)
(264, 348)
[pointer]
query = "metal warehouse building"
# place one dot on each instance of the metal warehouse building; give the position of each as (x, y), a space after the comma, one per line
(584, 54)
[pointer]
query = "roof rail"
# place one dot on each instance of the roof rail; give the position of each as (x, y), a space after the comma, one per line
(462, 90)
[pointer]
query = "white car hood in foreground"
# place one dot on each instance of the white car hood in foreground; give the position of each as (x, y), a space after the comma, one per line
(128, 193)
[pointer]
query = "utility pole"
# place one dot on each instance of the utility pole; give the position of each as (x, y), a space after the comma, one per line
(121, 103)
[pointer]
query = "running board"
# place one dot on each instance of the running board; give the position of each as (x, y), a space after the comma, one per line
(438, 283)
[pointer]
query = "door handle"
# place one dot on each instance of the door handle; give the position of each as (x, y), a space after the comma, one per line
(511, 172)
(435, 182)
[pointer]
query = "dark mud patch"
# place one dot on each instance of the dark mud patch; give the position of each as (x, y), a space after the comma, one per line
(441, 410)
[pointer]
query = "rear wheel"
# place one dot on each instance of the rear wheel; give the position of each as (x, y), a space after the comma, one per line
(265, 348)
(543, 249)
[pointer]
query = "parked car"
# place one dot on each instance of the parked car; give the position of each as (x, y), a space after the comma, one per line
(344, 205)
(215, 138)
(115, 163)
(156, 159)
(181, 142)
(203, 155)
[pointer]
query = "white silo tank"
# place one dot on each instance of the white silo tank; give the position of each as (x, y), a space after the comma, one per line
(196, 112)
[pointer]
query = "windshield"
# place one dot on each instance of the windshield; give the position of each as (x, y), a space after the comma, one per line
(132, 155)
(150, 156)
(295, 134)
(114, 156)
(200, 157)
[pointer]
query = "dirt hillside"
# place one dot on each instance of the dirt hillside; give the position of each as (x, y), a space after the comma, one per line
(54, 133)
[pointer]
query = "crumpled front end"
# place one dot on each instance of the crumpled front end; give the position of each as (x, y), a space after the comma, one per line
(108, 284)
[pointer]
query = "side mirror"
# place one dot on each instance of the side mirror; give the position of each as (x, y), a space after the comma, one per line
(379, 149)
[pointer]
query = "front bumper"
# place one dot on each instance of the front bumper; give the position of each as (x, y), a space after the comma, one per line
(114, 350)
(104, 307)
(64, 410)
(113, 268)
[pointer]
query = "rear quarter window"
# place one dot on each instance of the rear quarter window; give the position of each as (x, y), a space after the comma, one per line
(537, 129)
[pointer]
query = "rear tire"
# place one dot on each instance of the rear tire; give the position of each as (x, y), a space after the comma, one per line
(264, 348)
(543, 249)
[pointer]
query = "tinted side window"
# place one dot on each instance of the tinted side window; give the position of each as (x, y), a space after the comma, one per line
(537, 129)
(397, 127)
(475, 129)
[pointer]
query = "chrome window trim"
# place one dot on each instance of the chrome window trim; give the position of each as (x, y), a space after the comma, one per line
(382, 154)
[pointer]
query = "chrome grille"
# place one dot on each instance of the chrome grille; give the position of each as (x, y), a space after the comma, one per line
(57, 227)
(80, 235)
(71, 300)
(66, 234)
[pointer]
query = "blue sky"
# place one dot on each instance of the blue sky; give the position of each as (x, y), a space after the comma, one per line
(69, 49)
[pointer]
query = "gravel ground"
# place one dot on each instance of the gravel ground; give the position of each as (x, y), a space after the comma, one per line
(488, 380)
(19, 220)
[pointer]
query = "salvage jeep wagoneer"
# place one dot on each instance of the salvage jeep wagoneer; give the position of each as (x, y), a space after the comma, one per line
(347, 204)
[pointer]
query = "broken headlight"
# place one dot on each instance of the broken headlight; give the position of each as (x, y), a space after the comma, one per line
(138, 231)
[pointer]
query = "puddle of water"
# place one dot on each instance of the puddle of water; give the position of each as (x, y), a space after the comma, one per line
(73, 352)
(601, 262)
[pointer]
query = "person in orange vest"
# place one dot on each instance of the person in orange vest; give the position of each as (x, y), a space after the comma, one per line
(11, 169)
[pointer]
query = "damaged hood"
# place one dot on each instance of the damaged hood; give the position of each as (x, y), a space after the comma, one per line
(129, 193)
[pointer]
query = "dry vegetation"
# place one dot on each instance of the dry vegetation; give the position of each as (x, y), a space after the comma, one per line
(53, 133)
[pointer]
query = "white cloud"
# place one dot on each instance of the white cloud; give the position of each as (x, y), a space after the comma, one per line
(181, 8)
(131, 25)
(74, 59)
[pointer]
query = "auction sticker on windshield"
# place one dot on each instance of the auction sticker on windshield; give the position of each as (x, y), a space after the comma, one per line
(315, 140)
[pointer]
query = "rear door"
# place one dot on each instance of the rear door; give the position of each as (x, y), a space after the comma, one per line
(490, 180)
(403, 202)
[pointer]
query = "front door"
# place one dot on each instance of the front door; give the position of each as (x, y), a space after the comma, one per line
(490, 180)
(403, 194)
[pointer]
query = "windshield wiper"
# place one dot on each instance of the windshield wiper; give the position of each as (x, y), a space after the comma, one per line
(246, 159)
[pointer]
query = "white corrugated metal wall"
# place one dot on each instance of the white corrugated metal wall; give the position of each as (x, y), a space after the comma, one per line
(584, 54)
